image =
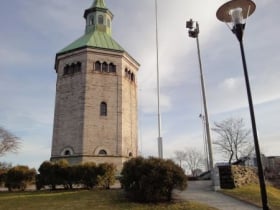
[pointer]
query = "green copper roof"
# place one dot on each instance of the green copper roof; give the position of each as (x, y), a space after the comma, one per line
(99, 4)
(94, 39)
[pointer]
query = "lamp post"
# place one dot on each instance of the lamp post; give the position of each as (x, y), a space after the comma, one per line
(193, 33)
(235, 13)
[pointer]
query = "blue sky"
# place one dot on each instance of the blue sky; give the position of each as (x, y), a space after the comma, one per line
(33, 31)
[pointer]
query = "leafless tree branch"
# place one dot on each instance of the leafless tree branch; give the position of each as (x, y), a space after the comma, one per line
(232, 139)
(8, 142)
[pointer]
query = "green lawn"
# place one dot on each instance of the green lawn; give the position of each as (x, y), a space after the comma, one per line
(83, 200)
(251, 194)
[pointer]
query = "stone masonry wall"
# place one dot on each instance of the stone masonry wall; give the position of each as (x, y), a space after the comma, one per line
(243, 175)
(78, 125)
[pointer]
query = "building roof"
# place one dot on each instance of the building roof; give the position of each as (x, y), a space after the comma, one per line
(95, 39)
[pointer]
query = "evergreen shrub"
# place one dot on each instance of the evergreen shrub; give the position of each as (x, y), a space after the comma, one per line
(152, 179)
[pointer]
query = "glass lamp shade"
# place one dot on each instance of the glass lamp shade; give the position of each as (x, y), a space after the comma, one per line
(236, 11)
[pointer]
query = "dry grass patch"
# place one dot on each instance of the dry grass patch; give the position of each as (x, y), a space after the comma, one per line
(83, 199)
(251, 193)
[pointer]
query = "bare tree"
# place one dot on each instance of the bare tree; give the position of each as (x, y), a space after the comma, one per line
(8, 142)
(180, 156)
(232, 139)
(194, 160)
(191, 158)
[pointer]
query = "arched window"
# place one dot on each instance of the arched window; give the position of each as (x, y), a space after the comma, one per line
(100, 19)
(67, 153)
(102, 152)
(77, 67)
(104, 67)
(112, 68)
(126, 73)
(66, 70)
(72, 69)
(97, 66)
(132, 77)
(129, 75)
(103, 109)
(130, 154)
(91, 20)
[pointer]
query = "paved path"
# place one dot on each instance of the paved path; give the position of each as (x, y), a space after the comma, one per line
(201, 191)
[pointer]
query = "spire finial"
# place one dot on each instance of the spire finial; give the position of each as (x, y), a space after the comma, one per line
(99, 3)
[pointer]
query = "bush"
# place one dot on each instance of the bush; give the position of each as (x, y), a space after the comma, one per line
(87, 174)
(18, 177)
(106, 175)
(152, 179)
(4, 168)
(47, 175)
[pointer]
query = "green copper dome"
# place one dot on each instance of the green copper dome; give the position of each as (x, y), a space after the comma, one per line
(94, 39)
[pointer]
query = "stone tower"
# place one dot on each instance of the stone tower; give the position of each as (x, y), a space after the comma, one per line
(96, 96)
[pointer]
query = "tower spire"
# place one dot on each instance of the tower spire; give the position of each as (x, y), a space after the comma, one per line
(99, 4)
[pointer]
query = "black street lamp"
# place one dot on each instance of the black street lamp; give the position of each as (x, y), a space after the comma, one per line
(193, 33)
(235, 12)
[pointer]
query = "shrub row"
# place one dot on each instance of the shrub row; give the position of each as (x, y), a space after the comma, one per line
(152, 179)
(17, 177)
(88, 174)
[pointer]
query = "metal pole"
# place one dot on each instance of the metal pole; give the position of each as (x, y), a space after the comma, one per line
(160, 152)
(205, 107)
(254, 129)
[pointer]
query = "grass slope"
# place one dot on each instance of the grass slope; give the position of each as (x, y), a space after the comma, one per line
(251, 194)
(81, 200)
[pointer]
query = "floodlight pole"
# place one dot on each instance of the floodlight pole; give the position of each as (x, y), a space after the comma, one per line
(193, 33)
(160, 151)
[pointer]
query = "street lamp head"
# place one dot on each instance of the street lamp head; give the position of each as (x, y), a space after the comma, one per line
(235, 13)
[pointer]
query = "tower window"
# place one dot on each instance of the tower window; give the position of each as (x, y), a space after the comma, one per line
(104, 67)
(112, 68)
(129, 75)
(72, 69)
(103, 109)
(91, 20)
(102, 152)
(77, 67)
(126, 72)
(100, 19)
(66, 70)
(67, 153)
(97, 66)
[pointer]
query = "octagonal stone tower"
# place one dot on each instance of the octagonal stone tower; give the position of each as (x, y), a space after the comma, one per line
(96, 96)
